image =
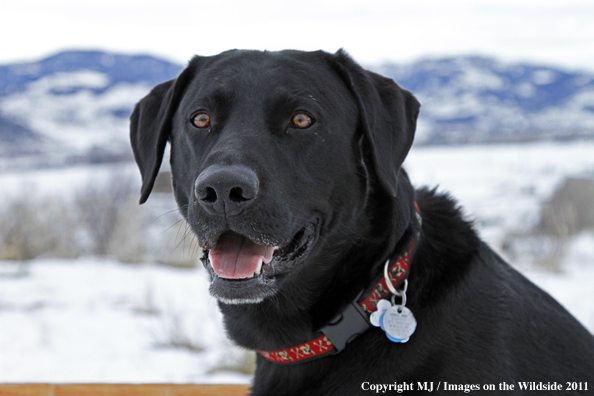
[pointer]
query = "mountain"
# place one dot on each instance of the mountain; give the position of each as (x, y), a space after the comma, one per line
(74, 106)
(479, 99)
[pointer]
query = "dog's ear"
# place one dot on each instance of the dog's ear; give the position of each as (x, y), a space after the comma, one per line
(388, 115)
(150, 126)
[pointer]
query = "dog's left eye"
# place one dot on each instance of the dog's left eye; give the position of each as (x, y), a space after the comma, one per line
(201, 120)
(301, 121)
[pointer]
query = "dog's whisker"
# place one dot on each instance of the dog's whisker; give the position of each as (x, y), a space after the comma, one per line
(164, 214)
(171, 226)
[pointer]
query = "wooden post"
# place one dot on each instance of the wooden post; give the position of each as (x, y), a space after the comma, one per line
(121, 390)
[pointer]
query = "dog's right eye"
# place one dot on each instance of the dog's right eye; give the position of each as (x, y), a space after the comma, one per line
(201, 120)
(301, 121)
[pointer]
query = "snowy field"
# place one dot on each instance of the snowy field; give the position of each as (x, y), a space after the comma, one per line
(96, 320)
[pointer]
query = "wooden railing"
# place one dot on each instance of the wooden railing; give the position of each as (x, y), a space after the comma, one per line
(121, 390)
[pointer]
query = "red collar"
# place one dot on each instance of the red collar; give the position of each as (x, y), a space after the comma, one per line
(354, 320)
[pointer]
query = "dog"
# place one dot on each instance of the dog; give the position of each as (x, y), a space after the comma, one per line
(323, 257)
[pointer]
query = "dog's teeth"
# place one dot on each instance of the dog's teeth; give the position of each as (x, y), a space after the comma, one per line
(259, 267)
(276, 248)
(209, 259)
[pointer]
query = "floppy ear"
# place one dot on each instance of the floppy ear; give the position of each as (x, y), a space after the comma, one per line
(388, 115)
(150, 125)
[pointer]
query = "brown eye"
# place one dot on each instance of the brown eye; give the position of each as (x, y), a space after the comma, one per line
(201, 120)
(301, 121)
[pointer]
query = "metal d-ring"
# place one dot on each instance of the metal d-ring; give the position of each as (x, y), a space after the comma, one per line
(399, 293)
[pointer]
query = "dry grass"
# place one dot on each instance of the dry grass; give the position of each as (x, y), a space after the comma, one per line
(569, 211)
(174, 334)
(103, 218)
(239, 361)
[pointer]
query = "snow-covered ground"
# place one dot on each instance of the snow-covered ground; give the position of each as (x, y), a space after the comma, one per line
(502, 187)
(92, 320)
(100, 321)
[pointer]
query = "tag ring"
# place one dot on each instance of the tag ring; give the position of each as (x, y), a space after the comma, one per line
(389, 282)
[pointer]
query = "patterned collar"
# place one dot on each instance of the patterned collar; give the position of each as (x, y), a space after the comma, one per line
(354, 319)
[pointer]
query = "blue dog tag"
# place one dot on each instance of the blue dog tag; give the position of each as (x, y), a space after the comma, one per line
(382, 306)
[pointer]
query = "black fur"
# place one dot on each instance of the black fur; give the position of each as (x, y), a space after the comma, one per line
(337, 190)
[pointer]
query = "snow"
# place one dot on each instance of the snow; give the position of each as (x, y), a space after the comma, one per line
(65, 107)
(472, 98)
(500, 186)
(96, 320)
(61, 182)
(480, 79)
(526, 90)
(86, 78)
(543, 77)
(93, 320)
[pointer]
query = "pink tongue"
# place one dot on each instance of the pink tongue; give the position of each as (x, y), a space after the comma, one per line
(236, 257)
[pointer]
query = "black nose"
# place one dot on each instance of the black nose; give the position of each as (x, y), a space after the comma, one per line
(226, 190)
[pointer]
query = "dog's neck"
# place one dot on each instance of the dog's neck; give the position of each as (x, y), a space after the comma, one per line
(355, 319)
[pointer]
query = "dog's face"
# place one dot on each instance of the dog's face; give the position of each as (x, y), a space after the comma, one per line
(251, 148)
(267, 159)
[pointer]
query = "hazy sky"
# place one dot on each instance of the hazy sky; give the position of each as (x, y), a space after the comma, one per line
(559, 32)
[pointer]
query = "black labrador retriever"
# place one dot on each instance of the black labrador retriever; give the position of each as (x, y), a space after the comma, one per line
(323, 257)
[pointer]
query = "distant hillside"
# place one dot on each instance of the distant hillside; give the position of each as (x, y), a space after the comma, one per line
(118, 68)
(477, 99)
(74, 106)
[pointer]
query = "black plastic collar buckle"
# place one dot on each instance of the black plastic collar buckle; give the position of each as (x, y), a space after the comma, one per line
(347, 325)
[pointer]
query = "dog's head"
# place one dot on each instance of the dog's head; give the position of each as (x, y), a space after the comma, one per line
(267, 159)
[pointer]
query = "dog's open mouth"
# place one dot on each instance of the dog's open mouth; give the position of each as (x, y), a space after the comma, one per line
(240, 264)
(237, 257)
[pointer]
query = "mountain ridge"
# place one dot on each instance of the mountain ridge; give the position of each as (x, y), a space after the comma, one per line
(120, 68)
(481, 99)
(74, 106)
